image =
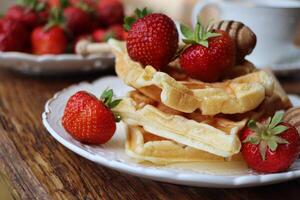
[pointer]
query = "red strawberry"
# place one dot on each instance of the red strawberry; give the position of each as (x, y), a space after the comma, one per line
(29, 13)
(110, 12)
(209, 53)
(99, 35)
(50, 39)
(77, 20)
(271, 145)
(13, 36)
(115, 31)
(152, 39)
(88, 119)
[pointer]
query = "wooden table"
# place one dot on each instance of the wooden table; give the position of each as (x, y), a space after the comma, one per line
(34, 166)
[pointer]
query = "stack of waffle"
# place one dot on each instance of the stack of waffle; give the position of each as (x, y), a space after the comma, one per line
(173, 118)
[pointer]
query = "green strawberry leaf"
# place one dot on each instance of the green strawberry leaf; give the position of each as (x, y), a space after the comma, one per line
(280, 140)
(204, 43)
(40, 6)
(64, 3)
(128, 21)
(107, 96)
(277, 118)
(114, 103)
(278, 129)
(253, 138)
(187, 41)
(211, 35)
(251, 124)
(200, 35)
(55, 18)
(263, 149)
(272, 144)
(187, 32)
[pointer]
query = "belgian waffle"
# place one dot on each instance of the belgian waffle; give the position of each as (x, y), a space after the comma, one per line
(144, 146)
(237, 95)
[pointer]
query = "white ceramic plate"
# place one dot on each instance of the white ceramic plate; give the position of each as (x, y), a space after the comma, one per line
(112, 154)
(55, 64)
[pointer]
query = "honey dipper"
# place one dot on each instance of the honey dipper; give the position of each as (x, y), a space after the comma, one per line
(292, 116)
(243, 37)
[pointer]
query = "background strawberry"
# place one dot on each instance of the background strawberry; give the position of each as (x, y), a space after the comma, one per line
(152, 39)
(99, 35)
(207, 54)
(50, 39)
(13, 36)
(110, 12)
(271, 145)
(90, 120)
(29, 12)
(77, 20)
(103, 35)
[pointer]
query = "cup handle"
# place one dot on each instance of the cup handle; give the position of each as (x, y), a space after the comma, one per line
(199, 8)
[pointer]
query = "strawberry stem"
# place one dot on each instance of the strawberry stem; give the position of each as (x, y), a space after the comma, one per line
(199, 35)
(32, 4)
(56, 18)
(128, 21)
(107, 98)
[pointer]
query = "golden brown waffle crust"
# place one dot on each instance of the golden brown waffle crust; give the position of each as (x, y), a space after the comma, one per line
(238, 95)
(165, 151)
(199, 135)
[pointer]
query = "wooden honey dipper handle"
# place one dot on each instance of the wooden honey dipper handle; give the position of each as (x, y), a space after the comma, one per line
(243, 37)
(85, 47)
(292, 116)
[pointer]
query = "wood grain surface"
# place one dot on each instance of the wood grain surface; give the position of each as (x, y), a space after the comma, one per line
(34, 166)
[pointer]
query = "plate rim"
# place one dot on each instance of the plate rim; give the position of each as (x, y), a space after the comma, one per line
(51, 57)
(200, 180)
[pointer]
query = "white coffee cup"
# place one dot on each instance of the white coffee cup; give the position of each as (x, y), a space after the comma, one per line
(275, 23)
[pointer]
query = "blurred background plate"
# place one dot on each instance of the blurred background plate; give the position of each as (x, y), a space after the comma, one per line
(55, 64)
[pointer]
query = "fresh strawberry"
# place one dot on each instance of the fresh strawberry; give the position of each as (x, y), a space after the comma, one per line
(13, 35)
(90, 120)
(49, 39)
(271, 145)
(77, 20)
(152, 39)
(99, 35)
(30, 12)
(208, 54)
(115, 31)
(110, 12)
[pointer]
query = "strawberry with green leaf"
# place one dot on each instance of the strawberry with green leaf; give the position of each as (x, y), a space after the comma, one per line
(208, 53)
(90, 120)
(271, 145)
(51, 38)
(152, 38)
